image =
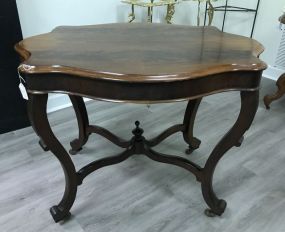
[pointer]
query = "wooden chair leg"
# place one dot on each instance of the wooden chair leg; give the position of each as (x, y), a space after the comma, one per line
(280, 92)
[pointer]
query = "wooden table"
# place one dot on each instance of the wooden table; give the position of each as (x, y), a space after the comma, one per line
(139, 63)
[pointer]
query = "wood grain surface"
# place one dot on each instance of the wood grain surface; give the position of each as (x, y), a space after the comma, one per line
(139, 52)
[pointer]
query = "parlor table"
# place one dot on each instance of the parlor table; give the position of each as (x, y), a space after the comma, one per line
(139, 63)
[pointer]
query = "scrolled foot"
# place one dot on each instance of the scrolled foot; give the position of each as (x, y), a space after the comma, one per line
(267, 101)
(58, 214)
(195, 144)
(218, 211)
(209, 213)
(75, 147)
(189, 150)
(280, 92)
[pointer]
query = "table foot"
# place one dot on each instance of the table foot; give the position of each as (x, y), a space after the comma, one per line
(219, 209)
(58, 214)
(280, 92)
(83, 123)
(195, 144)
(76, 150)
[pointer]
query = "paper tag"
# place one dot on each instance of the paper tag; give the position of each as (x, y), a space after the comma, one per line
(23, 91)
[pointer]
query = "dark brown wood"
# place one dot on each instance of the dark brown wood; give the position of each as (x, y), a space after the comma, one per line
(138, 145)
(83, 123)
(38, 116)
(141, 64)
(108, 135)
(139, 52)
(168, 132)
(189, 119)
(280, 92)
(249, 104)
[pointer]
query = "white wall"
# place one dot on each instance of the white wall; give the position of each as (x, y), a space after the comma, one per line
(40, 16)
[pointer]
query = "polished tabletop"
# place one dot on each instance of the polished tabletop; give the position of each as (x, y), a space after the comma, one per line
(139, 52)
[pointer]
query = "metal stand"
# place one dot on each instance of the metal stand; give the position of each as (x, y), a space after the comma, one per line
(227, 8)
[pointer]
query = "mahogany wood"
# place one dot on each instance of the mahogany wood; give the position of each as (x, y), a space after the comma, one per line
(139, 52)
(38, 116)
(83, 123)
(189, 118)
(139, 63)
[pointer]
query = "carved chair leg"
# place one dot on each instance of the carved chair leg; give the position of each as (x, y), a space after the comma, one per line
(189, 119)
(249, 104)
(83, 123)
(280, 92)
(38, 117)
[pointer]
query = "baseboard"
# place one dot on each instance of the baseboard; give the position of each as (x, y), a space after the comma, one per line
(273, 73)
(59, 101)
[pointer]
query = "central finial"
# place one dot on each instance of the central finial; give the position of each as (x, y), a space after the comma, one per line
(137, 132)
(137, 123)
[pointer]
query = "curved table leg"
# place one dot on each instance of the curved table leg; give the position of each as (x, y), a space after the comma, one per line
(249, 104)
(280, 92)
(38, 117)
(83, 123)
(189, 118)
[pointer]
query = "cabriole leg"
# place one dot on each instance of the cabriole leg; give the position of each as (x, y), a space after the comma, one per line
(249, 104)
(38, 117)
(189, 119)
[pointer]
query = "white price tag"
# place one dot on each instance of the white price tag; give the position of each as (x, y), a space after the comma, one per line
(23, 91)
(22, 87)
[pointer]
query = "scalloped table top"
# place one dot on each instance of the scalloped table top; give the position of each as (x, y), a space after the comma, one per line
(139, 52)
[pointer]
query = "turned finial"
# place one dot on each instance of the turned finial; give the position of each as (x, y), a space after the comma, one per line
(137, 132)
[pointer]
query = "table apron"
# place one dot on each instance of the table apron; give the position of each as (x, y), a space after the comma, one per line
(153, 91)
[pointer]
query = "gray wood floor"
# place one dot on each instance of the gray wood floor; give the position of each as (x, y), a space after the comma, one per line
(142, 195)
